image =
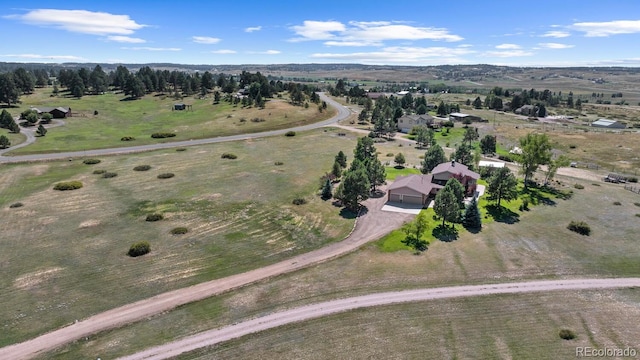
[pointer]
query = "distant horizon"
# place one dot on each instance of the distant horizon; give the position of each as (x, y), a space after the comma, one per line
(570, 33)
(337, 63)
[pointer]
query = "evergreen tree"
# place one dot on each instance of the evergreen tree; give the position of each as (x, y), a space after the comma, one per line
(477, 103)
(472, 218)
(354, 188)
(42, 131)
(488, 144)
(4, 142)
(326, 190)
(456, 189)
(446, 206)
(432, 158)
(341, 159)
(376, 172)
(336, 170)
(502, 185)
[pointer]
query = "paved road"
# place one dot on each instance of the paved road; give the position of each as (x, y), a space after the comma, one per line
(370, 226)
(317, 310)
(343, 113)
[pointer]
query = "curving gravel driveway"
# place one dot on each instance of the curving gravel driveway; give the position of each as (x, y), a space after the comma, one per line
(342, 114)
(212, 337)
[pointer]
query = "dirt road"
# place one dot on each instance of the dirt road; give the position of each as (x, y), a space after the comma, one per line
(312, 311)
(371, 226)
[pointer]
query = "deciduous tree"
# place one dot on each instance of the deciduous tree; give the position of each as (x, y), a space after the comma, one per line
(414, 231)
(536, 151)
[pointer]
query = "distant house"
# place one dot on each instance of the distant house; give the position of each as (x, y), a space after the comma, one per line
(407, 122)
(608, 124)
(421, 189)
(526, 110)
(456, 116)
(375, 95)
(490, 164)
(56, 112)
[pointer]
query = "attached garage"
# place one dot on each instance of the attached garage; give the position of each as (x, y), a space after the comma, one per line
(412, 189)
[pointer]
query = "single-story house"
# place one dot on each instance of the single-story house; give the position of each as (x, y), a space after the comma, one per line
(456, 116)
(420, 189)
(407, 122)
(527, 110)
(608, 124)
(56, 112)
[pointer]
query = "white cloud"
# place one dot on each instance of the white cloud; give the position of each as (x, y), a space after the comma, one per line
(268, 52)
(205, 40)
(317, 30)
(223, 51)
(555, 46)
(125, 39)
(556, 34)
(402, 55)
(45, 57)
(147, 48)
(508, 53)
(367, 33)
(252, 29)
(508, 46)
(608, 28)
(81, 21)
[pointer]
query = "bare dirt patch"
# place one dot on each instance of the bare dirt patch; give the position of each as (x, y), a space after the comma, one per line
(29, 280)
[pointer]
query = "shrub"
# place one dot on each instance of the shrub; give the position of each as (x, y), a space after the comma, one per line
(636, 203)
(632, 179)
(637, 215)
(16, 205)
(99, 172)
(278, 163)
(257, 120)
(154, 217)
(107, 175)
(506, 158)
(299, 201)
(91, 161)
(390, 154)
(595, 184)
(580, 227)
(142, 168)
(567, 334)
(617, 203)
(68, 185)
(179, 230)
(181, 149)
(140, 248)
(127, 138)
(578, 186)
(290, 133)
(166, 175)
(162, 135)
(229, 156)
(95, 112)
(572, 146)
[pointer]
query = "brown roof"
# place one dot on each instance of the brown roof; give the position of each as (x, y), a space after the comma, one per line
(455, 168)
(418, 183)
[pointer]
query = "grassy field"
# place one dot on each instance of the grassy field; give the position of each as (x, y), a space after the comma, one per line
(537, 246)
(140, 118)
(64, 252)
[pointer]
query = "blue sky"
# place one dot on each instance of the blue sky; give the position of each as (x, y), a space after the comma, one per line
(519, 33)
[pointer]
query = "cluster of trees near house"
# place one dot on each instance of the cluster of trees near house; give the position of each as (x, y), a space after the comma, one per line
(145, 80)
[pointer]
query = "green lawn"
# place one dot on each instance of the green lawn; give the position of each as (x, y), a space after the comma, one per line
(393, 172)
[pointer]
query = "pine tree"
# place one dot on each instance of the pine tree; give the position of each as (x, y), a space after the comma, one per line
(336, 170)
(341, 158)
(471, 218)
(42, 131)
(326, 190)
(4, 142)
